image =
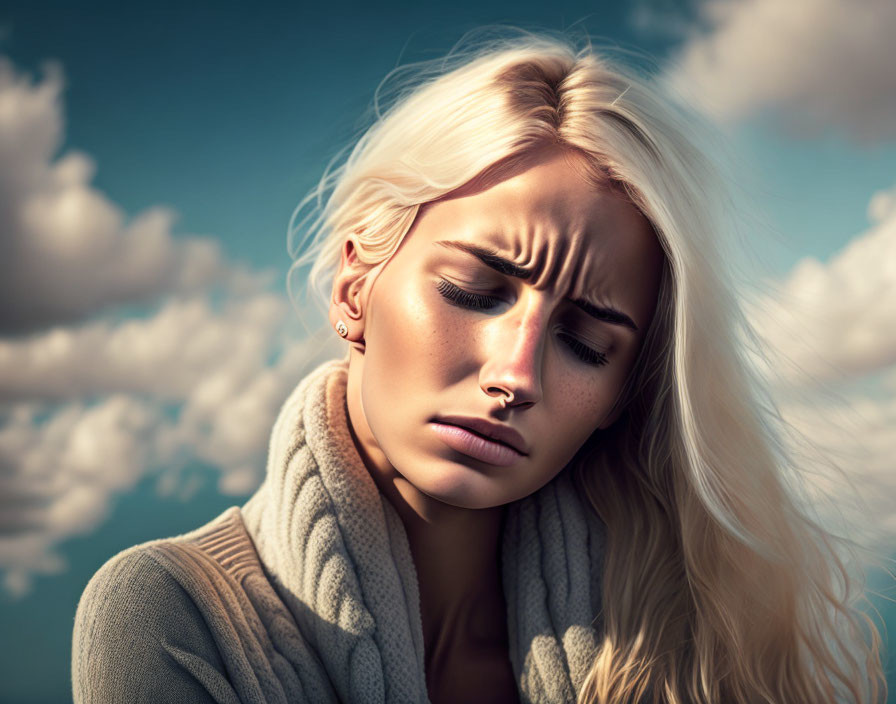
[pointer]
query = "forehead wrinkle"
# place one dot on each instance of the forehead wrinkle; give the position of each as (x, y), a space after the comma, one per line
(526, 251)
(547, 264)
(582, 287)
(564, 266)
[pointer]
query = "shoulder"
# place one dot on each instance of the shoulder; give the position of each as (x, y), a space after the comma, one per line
(128, 591)
(138, 636)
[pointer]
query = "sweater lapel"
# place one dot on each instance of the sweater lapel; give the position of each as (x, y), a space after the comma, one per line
(338, 550)
(552, 568)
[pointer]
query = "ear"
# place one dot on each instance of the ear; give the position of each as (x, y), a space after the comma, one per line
(348, 301)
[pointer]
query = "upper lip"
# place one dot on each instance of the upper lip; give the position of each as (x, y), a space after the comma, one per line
(494, 431)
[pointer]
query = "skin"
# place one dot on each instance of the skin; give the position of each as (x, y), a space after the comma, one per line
(416, 355)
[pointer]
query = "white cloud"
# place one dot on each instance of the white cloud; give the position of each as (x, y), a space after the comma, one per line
(202, 390)
(165, 355)
(59, 477)
(847, 444)
(90, 409)
(882, 206)
(815, 64)
(830, 334)
(67, 250)
(837, 320)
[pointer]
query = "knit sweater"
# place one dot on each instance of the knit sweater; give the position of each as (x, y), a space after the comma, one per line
(308, 592)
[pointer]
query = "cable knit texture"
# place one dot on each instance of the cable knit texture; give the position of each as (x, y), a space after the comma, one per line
(308, 592)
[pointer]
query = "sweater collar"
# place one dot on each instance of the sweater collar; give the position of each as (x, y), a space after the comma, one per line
(337, 553)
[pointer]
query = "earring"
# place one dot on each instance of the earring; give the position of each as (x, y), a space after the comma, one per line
(341, 328)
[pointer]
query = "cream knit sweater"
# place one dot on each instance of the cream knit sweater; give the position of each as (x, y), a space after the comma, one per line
(308, 593)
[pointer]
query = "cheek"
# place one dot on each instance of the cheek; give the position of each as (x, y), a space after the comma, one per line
(437, 336)
(584, 400)
(582, 404)
(410, 342)
(395, 328)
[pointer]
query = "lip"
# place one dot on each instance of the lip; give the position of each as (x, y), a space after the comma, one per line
(492, 431)
(475, 446)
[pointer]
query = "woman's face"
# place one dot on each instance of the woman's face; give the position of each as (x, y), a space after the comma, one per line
(538, 291)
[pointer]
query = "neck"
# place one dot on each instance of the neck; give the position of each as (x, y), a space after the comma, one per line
(456, 551)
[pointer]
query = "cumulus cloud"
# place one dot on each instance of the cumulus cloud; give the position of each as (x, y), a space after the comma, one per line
(58, 476)
(836, 320)
(815, 64)
(140, 398)
(830, 348)
(66, 250)
(92, 405)
(166, 355)
(856, 432)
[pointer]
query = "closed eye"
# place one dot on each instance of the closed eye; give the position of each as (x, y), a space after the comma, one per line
(477, 301)
(465, 299)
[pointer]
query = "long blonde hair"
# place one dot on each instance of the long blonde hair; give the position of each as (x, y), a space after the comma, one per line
(718, 585)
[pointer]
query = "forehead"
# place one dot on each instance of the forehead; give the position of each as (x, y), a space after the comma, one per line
(579, 240)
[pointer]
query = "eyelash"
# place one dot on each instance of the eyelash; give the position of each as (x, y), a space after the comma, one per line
(476, 301)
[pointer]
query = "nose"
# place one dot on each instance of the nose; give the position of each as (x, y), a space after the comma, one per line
(514, 356)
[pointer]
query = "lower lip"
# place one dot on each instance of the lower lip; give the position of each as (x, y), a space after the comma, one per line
(477, 447)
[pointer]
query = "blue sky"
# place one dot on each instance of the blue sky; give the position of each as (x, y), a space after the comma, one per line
(224, 116)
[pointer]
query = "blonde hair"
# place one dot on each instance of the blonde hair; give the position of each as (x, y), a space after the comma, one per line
(718, 586)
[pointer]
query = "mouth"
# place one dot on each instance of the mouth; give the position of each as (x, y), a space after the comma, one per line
(481, 439)
(495, 432)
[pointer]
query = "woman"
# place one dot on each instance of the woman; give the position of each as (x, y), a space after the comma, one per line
(541, 474)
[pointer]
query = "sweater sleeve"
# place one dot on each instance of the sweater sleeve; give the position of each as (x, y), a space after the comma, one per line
(138, 637)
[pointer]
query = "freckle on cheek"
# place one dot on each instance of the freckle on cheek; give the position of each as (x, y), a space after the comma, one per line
(591, 403)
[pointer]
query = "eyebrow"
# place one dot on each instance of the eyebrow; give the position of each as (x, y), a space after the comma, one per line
(504, 266)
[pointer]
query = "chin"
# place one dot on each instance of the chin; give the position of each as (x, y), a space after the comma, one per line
(460, 487)
(472, 503)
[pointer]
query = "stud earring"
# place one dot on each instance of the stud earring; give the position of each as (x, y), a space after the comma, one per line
(341, 328)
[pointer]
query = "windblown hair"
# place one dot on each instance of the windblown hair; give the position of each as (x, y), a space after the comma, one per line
(719, 586)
